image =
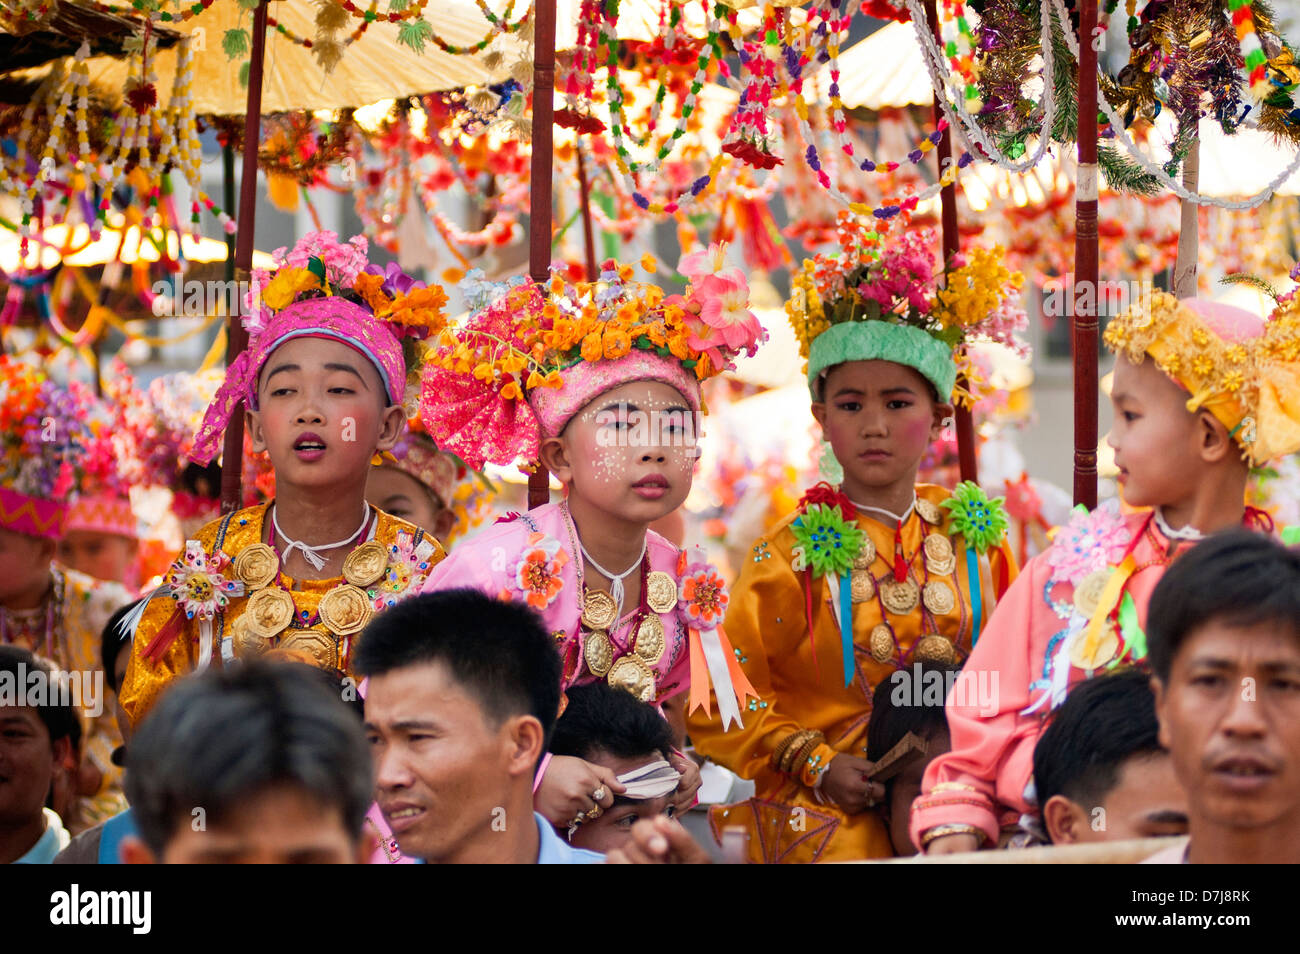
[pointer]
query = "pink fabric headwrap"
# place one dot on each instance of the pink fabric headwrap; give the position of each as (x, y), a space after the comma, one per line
(32, 516)
(1232, 324)
(102, 513)
(587, 380)
(331, 317)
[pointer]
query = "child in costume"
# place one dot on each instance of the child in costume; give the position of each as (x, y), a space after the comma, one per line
(417, 485)
(875, 574)
(54, 612)
(1201, 392)
(601, 381)
(323, 380)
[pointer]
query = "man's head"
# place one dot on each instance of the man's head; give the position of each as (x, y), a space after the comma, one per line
(255, 763)
(35, 740)
(611, 727)
(462, 693)
(1224, 644)
(895, 713)
(1099, 770)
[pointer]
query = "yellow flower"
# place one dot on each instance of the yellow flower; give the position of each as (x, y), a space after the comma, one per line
(535, 380)
(511, 391)
(286, 285)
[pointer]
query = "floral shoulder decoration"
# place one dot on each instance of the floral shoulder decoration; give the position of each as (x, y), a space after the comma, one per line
(876, 275)
(201, 585)
(408, 565)
(980, 520)
(1088, 543)
(521, 336)
(537, 575)
(826, 541)
(714, 664)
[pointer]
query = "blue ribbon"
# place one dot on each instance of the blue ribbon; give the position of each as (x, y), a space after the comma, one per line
(976, 601)
(846, 628)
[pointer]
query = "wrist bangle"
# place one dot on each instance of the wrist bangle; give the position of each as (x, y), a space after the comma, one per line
(940, 831)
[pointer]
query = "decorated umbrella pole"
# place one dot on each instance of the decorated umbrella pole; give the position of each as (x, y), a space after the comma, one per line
(963, 418)
(237, 337)
(1085, 266)
(539, 185)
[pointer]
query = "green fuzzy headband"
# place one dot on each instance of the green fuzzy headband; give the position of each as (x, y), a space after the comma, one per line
(883, 341)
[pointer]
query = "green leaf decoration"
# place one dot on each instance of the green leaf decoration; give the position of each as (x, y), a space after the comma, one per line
(317, 267)
(234, 43)
(243, 73)
(414, 33)
(1253, 281)
(983, 522)
(1291, 536)
(830, 544)
(398, 6)
(249, 5)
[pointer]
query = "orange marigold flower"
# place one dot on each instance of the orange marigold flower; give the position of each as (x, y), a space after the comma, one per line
(511, 391)
(617, 343)
(592, 347)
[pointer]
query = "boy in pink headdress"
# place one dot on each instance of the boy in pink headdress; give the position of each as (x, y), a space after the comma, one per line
(55, 612)
(417, 486)
(323, 380)
(601, 382)
(1202, 392)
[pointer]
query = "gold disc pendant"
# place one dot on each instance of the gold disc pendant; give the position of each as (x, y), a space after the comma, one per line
(899, 598)
(598, 651)
(322, 647)
(866, 556)
(1087, 595)
(861, 586)
(599, 611)
(345, 609)
(881, 643)
(366, 564)
(267, 612)
(929, 512)
(633, 674)
(661, 591)
(934, 648)
(938, 598)
(257, 565)
(650, 642)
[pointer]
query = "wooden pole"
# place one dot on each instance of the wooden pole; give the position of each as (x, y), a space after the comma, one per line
(539, 185)
(964, 421)
(1085, 266)
(237, 338)
(1189, 228)
(588, 233)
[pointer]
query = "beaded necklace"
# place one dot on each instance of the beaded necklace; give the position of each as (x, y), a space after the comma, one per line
(35, 626)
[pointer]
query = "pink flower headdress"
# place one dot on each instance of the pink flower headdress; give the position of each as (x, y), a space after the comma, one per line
(529, 358)
(324, 288)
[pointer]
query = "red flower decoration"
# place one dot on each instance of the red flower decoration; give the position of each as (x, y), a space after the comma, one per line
(824, 493)
(884, 10)
(582, 122)
(704, 597)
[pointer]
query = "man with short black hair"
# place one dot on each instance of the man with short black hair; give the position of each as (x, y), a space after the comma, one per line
(608, 726)
(462, 692)
(254, 763)
(1224, 646)
(34, 741)
(1100, 773)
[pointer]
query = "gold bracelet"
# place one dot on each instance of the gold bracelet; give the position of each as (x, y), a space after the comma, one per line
(940, 830)
(783, 757)
(801, 755)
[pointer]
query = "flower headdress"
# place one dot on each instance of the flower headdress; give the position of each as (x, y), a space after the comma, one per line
(883, 299)
(324, 288)
(44, 439)
(1242, 369)
(529, 358)
(111, 463)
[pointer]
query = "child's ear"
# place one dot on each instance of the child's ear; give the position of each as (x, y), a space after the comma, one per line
(819, 413)
(554, 454)
(1215, 443)
(1163, 736)
(392, 426)
(943, 414)
(253, 428)
(1062, 819)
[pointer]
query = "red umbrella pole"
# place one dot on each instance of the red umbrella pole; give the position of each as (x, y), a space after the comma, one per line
(1085, 267)
(963, 419)
(237, 338)
(539, 185)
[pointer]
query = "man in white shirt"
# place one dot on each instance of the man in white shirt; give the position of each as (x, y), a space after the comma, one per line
(1224, 646)
(462, 694)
